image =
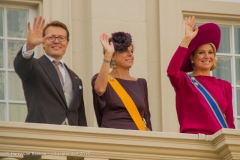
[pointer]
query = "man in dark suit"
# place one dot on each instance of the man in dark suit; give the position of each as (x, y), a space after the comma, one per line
(53, 92)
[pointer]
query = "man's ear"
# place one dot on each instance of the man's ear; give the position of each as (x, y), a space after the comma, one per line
(43, 46)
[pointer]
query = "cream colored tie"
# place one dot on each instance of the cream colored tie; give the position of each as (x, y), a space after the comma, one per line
(56, 64)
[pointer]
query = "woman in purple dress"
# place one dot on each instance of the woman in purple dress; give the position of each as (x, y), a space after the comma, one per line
(109, 108)
(197, 111)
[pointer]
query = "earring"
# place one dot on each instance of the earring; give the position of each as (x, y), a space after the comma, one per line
(113, 66)
(192, 62)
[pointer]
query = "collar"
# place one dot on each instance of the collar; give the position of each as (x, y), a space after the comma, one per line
(51, 58)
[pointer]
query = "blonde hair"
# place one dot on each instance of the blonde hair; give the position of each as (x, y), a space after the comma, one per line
(215, 57)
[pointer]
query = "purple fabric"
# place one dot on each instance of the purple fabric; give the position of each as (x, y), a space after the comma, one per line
(194, 114)
(110, 111)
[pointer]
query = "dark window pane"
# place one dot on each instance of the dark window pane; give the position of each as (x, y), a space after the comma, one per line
(238, 102)
(2, 86)
(237, 68)
(1, 21)
(237, 40)
(2, 112)
(17, 112)
(17, 23)
(13, 48)
(225, 40)
(15, 87)
(1, 54)
(238, 123)
(223, 69)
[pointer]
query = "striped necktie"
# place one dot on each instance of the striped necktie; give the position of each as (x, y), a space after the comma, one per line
(56, 65)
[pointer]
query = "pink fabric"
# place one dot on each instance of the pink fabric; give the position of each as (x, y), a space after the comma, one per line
(194, 114)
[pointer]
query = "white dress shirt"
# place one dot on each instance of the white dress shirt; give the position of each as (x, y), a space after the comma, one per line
(28, 54)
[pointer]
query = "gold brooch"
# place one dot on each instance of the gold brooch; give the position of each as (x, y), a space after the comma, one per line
(111, 78)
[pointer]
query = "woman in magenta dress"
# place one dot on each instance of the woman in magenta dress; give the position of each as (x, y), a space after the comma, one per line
(109, 109)
(197, 55)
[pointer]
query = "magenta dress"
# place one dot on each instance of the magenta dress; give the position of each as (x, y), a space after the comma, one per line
(194, 114)
(110, 111)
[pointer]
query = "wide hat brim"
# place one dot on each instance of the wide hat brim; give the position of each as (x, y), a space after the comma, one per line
(207, 33)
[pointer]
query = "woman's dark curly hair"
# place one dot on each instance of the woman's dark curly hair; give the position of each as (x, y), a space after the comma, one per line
(121, 41)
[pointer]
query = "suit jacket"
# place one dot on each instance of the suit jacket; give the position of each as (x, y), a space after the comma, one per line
(44, 94)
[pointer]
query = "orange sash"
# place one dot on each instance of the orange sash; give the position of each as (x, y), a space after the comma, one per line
(128, 103)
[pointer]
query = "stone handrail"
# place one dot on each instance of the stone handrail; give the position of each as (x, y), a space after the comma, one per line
(59, 142)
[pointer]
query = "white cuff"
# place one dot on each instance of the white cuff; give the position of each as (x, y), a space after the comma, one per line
(27, 54)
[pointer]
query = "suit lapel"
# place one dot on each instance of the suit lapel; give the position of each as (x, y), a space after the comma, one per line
(52, 74)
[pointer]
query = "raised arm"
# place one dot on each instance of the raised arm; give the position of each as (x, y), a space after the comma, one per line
(177, 59)
(175, 64)
(102, 79)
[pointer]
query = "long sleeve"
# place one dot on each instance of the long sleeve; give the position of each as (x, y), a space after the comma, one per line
(23, 66)
(229, 110)
(98, 102)
(147, 114)
(173, 71)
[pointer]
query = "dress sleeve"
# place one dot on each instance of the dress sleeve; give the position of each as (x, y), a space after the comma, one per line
(229, 110)
(175, 75)
(147, 114)
(98, 102)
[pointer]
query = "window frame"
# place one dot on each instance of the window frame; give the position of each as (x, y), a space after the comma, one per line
(32, 12)
(231, 23)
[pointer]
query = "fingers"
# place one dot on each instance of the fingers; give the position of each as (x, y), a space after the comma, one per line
(43, 24)
(108, 47)
(104, 38)
(187, 21)
(29, 28)
(196, 29)
(190, 21)
(38, 23)
(35, 22)
(111, 43)
(47, 36)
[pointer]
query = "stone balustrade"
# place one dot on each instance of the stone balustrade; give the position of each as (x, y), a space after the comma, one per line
(28, 141)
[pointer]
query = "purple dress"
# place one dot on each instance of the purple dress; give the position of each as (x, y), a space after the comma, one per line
(110, 111)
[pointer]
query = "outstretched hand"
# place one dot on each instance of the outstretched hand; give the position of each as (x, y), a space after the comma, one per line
(108, 47)
(35, 37)
(190, 32)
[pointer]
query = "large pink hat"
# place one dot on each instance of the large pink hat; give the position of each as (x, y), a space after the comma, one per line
(207, 33)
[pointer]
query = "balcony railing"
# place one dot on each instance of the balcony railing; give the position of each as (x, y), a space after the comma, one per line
(30, 141)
